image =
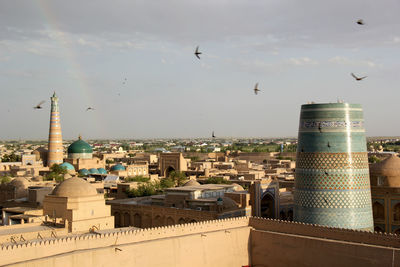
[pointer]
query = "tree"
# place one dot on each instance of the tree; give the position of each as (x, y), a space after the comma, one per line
(178, 177)
(57, 173)
(11, 158)
(5, 180)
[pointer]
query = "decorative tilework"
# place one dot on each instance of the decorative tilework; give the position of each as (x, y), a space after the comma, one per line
(332, 184)
(311, 160)
(331, 124)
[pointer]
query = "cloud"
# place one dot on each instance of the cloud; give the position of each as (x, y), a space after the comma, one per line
(301, 61)
(340, 60)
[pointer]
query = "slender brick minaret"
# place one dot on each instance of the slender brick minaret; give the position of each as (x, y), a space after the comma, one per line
(55, 155)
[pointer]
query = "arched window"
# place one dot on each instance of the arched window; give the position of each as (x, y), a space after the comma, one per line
(170, 221)
(158, 221)
(282, 215)
(397, 231)
(137, 220)
(290, 215)
(378, 210)
(117, 219)
(378, 229)
(396, 212)
(127, 219)
(181, 221)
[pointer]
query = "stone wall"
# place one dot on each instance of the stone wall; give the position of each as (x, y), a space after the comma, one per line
(213, 243)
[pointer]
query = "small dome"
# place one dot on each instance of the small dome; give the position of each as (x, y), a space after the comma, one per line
(229, 203)
(238, 187)
(93, 171)
(118, 167)
(68, 166)
(20, 182)
(102, 171)
(191, 183)
(79, 146)
(84, 172)
(389, 168)
(74, 187)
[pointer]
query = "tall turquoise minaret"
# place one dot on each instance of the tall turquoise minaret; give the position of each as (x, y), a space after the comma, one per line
(55, 155)
(332, 184)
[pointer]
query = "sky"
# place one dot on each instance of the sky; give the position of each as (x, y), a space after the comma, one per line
(298, 51)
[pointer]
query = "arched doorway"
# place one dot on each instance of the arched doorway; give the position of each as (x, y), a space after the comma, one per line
(127, 219)
(397, 232)
(117, 219)
(282, 215)
(193, 221)
(267, 206)
(396, 212)
(170, 221)
(378, 210)
(158, 221)
(378, 229)
(137, 220)
(168, 171)
(181, 221)
(290, 215)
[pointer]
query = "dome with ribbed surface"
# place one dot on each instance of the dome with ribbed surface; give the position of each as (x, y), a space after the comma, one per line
(118, 167)
(74, 187)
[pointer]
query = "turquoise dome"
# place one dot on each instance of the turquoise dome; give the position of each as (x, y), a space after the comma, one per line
(118, 167)
(68, 166)
(79, 146)
(84, 172)
(93, 171)
(102, 171)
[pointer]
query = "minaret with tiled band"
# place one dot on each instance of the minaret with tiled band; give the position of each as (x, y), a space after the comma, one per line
(55, 155)
(332, 186)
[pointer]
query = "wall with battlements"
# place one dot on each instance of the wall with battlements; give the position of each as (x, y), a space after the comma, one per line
(230, 242)
(213, 243)
(280, 243)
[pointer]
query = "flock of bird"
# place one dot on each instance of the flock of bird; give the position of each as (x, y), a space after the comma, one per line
(197, 53)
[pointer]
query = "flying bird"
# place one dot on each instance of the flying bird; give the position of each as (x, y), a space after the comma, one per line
(197, 53)
(360, 22)
(256, 90)
(118, 249)
(319, 127)
(329, 145)
(124, 81)
(326, 173)
(326, 202)
(39, 106)
(213, 135)
(358, 78)
(89, 108)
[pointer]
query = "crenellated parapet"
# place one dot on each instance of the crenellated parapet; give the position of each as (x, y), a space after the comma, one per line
(48, 247)
(326, 232)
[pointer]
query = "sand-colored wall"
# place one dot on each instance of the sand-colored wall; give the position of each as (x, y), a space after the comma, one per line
(215, 243)
(278, 249)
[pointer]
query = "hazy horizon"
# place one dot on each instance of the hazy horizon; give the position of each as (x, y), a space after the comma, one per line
(298, 51)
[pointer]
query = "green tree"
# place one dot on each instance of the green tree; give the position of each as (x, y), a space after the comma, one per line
(56, 173)
(5, 180)
(178, 177)
(167, 183)
(11, 158)
(374, 159)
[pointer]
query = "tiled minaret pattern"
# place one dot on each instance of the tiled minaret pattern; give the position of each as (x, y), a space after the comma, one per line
(55, 155)
(332, 184)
